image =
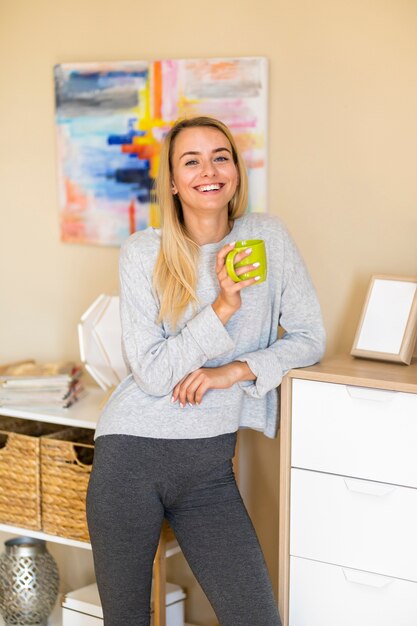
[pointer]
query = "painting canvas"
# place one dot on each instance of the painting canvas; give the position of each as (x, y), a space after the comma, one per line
(112, 117)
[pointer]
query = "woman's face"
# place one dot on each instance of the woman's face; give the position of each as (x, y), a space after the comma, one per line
(203, 172)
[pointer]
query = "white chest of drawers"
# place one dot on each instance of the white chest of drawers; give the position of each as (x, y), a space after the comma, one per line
(348, 495)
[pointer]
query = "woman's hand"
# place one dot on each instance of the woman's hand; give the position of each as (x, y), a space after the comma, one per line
(228, 301)
(192, 388)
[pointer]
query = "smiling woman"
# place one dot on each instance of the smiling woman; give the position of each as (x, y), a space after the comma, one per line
(192, 142)
(205, 359)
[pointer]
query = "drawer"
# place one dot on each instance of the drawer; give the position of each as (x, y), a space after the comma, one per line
(355, 431)
(327, 595)
(354, 523)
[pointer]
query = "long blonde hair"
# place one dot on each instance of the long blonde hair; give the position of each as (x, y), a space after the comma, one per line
(175, 273)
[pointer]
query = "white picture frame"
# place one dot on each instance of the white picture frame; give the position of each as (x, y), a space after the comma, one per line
(387, 329)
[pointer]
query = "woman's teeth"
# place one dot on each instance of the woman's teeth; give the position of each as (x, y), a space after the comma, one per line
(213, 187)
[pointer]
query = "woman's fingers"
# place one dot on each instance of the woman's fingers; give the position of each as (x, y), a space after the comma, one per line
(178, 386)
(246, 268)
(247, 283)
(242, 255)
(192, 388)
(229, 299)
(187, 392)
(222, 254)
(184, 391)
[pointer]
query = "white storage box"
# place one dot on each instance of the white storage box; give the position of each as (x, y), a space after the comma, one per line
(83, 608)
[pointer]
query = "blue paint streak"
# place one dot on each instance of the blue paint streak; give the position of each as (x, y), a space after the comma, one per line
(118, 140)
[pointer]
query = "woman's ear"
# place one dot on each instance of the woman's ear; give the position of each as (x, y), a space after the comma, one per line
(174, 189)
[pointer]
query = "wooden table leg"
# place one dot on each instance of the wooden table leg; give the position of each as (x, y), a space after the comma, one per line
(159, 583)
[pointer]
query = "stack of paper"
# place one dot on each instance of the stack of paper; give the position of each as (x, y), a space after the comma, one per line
(28, 383)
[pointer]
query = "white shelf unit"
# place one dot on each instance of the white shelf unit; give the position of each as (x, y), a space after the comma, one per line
(84, 414)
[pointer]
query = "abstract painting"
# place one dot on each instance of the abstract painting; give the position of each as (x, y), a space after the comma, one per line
(112, 117)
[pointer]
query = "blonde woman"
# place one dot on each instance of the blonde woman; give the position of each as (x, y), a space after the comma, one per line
(205, 360)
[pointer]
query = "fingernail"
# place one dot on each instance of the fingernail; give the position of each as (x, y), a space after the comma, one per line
(248, 250)
(173, 399)
(182, 405)
(256, 264)
(232, 244)
(257, 278)
(190, 404)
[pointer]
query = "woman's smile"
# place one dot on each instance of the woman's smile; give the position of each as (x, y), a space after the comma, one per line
(208, 188)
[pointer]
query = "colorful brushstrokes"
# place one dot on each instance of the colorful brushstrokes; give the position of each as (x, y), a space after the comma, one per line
(112, 117)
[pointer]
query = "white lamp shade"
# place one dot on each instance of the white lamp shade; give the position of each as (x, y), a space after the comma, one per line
(100, 339)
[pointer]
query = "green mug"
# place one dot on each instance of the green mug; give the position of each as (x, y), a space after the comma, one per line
(258, 255)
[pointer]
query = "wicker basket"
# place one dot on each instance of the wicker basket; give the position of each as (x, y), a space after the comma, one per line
(20, 499)
(66, 463)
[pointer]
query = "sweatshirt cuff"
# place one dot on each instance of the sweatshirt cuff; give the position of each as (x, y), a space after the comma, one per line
(267, 371)
(210, 334)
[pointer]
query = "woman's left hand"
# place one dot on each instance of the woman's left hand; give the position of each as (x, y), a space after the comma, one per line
(192, 388)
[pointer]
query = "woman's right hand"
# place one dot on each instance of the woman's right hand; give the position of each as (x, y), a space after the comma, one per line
(229, 300)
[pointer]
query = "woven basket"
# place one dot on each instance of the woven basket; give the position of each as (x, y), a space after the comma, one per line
(66, 463)
(20, 500)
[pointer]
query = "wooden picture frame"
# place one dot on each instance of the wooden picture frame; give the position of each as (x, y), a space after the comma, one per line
(387, 329)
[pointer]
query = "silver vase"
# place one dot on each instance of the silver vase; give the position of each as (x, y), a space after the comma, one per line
(29, 582)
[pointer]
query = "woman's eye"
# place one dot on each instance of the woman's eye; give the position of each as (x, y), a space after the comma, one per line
(191, 162)
(221, 158)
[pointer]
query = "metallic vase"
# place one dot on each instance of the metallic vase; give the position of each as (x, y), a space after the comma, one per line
(29, 582)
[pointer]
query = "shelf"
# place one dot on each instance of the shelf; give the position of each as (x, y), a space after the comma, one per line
(83, 413)
(38, 534)
(172, 547)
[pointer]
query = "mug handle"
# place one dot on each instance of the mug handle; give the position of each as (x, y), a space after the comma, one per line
(230, 267)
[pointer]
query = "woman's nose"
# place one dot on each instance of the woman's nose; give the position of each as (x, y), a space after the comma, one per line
(208, 168)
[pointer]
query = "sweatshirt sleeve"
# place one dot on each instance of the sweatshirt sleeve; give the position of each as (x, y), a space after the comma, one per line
(158, 361)
(303, 340)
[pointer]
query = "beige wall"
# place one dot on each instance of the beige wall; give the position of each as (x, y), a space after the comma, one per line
(343, 153)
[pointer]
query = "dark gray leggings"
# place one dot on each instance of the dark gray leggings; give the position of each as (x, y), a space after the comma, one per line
(135, 483)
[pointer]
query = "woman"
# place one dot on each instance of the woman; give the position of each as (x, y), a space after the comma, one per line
(205, 360)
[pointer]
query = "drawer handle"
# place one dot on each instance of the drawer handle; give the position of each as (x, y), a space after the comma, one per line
(366, 393)
(365, 578)
(368, 487)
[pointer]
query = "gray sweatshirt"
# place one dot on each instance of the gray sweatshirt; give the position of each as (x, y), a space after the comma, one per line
(158, 357)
